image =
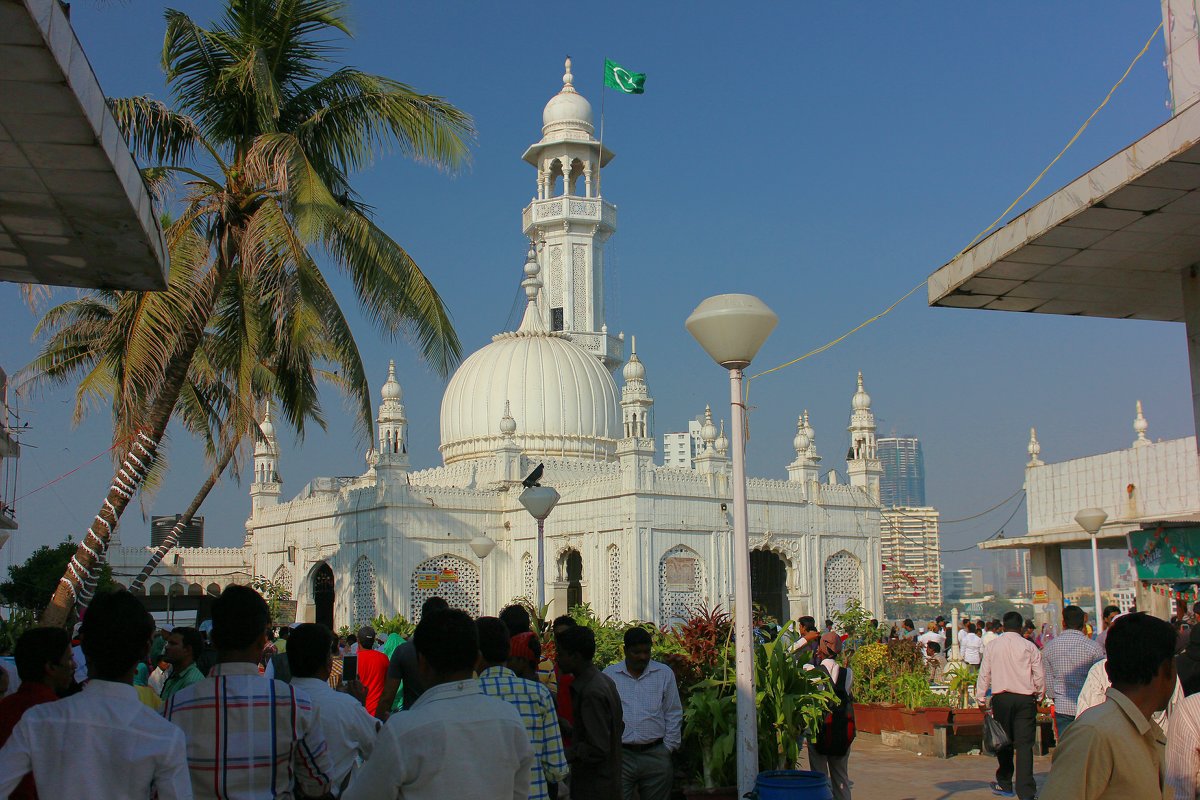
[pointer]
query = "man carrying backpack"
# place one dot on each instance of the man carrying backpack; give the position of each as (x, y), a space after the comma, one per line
(829, 750)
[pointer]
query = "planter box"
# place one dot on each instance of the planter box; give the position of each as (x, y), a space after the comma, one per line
(937, 715)
(719, 793)
(968, 721)
(913, 721)
(866, 718)
(890, 717)
(922, 720)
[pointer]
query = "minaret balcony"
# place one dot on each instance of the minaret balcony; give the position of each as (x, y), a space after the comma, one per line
(566, 208)
(604, 346)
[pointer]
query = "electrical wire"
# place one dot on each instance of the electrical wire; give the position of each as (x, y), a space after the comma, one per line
(94, 458)
(924, 546)
(962, 519)
(982, 233)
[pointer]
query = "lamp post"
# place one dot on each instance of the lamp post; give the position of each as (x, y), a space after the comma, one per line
(539, 501)
(1091, 520)
(731, 328)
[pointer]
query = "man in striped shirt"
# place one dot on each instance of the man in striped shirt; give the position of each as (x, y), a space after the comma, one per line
(248, 737)
(532, 700)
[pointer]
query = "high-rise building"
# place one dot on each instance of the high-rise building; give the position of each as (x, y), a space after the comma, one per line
(681, 448)
(959, 583)
(910, 548)
(903, 480)
(192, 534)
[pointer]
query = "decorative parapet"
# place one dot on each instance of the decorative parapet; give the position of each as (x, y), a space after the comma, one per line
(569, 209)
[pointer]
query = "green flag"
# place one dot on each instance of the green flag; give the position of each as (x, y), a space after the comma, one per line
(621, 79)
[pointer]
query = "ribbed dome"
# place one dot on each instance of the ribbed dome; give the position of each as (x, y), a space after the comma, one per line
(568, 108)
(563, 399)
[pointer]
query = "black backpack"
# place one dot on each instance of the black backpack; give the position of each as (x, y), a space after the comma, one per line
(837, 729)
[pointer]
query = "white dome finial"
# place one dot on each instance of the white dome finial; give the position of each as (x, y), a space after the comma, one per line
(568, 78)
(722, 443)
(508, 425)
(532, 284)
(708, 431)
(801, 441)
(861, 400)
(1034, 449)
(268, 430)
(1140, 426)
(634, 369)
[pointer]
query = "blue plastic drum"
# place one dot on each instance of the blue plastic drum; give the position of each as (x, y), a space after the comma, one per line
(793, 784)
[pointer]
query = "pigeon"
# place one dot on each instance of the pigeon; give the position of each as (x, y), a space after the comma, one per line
(534, 477)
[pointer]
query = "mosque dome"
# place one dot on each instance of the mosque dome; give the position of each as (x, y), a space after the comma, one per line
(563, 399)
(391, 387)
(568, 108)
(861, 400)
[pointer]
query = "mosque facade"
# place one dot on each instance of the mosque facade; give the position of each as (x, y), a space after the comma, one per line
(631, 538)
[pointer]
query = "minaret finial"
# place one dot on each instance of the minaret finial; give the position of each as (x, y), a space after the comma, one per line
(1140, 426)
(532, 284)
(568, 78)
(1034, 449)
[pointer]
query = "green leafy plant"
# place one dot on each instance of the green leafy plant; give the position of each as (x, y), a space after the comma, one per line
(872, 681)
(791, 700)
(397, 624)
(912, 689)
(855, 622)
(710, 728)
(275, 592)
(962, 681)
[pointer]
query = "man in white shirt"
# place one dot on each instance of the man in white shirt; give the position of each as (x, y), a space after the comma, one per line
(653, 718)
(455, 741)
(102, 741)
(971, 646)
(349, 730)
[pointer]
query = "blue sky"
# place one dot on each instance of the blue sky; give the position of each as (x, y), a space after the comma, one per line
(825, 157)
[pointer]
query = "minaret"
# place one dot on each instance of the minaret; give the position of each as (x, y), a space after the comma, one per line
(806, 466)
(265, 489)
(508, 454)
(636, 402)
(393, 426)
(709, 461)
(1140, 426)
(571, 222)
(862, 465)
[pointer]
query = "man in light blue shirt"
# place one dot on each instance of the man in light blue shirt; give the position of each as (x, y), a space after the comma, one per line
(653, 716)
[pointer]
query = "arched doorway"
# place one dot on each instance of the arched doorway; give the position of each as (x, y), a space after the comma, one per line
(573, 574)
(322, 590)
(768, 583)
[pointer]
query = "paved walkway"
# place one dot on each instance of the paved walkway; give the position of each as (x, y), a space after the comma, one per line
(886, 773)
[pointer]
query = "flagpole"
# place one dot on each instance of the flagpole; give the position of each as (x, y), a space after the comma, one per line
(600, 158)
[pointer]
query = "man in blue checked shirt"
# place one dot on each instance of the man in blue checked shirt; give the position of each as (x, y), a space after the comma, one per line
(653, 716)
(532, 700)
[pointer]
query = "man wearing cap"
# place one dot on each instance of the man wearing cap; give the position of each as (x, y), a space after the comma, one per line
(372, 667)
(653, 715)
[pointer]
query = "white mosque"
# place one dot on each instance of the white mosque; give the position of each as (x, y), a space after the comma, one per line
(632, 539)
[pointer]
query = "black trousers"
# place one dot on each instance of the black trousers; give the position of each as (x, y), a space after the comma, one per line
(1018, 714)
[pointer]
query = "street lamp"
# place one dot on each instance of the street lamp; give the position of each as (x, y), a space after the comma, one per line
(539, 501)
(1091, 520)
(482, 545)
(731, 328)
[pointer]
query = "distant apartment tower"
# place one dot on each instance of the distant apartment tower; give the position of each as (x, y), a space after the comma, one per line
(960, 583)
(191, 536)
(681, 448)
(10, 450)
(911, 557)
(903, 479)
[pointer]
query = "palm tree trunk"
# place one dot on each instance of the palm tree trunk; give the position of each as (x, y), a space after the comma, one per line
(129, 475)
(172, 538)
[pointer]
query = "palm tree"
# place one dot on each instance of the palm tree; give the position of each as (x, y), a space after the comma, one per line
(260, 148)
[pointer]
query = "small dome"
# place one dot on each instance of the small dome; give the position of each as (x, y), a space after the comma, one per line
(267, 428)
(391, 387)
(708, 431)
(568, 108)
(862, 400)
(722, 443)
(634, 369)
(801, 441)
(508, 425)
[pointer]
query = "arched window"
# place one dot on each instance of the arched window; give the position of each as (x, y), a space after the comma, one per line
(681, 586)
(157, 590)
(283, 578)
(843, 581)
(452, 578)
(364, 592)
(213, 589)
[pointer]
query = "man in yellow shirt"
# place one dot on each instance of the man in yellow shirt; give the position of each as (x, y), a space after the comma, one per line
(1115, 751)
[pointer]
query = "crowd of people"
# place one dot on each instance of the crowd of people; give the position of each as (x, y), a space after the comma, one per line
(242, 713)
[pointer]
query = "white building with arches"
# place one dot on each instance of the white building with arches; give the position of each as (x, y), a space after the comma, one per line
(631, 538)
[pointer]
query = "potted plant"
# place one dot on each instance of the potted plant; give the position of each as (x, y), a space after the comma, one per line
(871, 686)
(710, 729)
(911, 689)
(791, 701)
(967, 717)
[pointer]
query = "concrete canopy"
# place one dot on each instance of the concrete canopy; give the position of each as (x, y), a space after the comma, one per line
(1112, 243)
(73, 208)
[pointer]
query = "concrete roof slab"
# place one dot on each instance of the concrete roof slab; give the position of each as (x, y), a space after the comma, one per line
(92, 222)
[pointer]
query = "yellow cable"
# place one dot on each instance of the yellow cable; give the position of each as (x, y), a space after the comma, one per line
(979, 236)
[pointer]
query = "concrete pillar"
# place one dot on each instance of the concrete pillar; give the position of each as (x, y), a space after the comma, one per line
(1045, 561)
(1191, 317)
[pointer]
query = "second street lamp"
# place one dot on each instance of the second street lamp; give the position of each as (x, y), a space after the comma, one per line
(539, 501)
(731, 328)
(1092, 520)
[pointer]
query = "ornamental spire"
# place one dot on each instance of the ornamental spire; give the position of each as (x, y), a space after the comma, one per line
(1140, 426)
(532, 284)
(1034, 449)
